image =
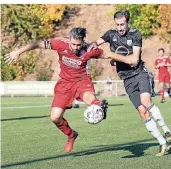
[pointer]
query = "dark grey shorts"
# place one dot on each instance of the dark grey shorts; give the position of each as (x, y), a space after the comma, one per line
(136, 85)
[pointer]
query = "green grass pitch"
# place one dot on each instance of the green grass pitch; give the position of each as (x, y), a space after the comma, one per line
(30, 141)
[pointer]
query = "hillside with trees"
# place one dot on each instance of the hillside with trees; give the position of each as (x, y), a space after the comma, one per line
(24, 23)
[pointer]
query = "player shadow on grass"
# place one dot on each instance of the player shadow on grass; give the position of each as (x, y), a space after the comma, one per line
(135, 148)
(23, 118)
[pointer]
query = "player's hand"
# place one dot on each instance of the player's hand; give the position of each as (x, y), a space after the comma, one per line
(12, 57)
(92, 46)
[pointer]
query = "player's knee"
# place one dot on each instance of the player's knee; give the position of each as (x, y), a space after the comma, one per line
(55, 115)
(54, 118)
(161, 86)
(56, 121)
(145, 99)
(167, 85)
(146, 102)
(143, 112)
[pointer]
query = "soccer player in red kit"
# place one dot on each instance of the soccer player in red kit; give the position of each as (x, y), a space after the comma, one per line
(162, 63)
(74, 83)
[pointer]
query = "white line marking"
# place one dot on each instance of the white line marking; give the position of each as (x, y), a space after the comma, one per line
(20, 102)
(25, 107)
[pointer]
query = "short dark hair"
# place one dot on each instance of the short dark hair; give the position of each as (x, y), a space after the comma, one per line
(78, 33)
(122, 13)
(161, 49)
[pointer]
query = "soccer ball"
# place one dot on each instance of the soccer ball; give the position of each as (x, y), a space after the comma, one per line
(93, 114)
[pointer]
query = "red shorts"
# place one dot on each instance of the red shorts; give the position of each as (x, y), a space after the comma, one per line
(65, 92)
(164, 78)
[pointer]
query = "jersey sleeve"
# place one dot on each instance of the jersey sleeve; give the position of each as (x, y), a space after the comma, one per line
(95, 53)
(106, 36)
(156, 62)
(137, 40)
(52, 44)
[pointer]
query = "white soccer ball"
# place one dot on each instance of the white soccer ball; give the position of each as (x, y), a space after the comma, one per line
(93, 114)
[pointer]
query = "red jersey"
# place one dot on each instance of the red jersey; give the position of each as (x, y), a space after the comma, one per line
(161, 62)
(73, 67)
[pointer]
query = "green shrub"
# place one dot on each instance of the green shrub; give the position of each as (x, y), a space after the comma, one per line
(43, 75)
(23, 23)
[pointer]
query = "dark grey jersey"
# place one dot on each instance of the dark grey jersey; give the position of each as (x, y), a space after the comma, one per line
(131, 38)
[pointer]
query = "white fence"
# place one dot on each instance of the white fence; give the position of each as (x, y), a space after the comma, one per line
(45, 88)
(27, 88)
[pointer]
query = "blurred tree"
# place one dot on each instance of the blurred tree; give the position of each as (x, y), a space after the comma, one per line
(23, 23)
(28, 22)
(164, 28)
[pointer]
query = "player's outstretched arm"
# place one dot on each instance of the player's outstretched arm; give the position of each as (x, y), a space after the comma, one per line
(95, 44)
(13, 56)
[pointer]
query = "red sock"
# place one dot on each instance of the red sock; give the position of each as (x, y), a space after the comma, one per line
(65, 128)
(162, 94)
(96, 102)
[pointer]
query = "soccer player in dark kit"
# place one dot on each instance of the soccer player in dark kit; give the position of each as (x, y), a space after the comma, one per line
(126, 43)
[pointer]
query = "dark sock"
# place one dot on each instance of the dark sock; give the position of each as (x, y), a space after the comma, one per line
(65, 128)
